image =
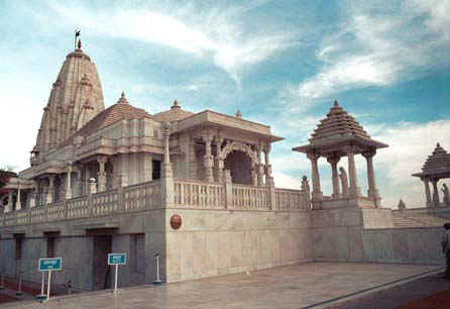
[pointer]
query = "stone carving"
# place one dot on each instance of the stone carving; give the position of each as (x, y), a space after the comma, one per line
(401, 205)
(305, 185)
(344, 181)
(175, 222)
(446, 195)
(237, 146)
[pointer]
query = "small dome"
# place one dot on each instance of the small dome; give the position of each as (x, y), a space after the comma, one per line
(175, 113)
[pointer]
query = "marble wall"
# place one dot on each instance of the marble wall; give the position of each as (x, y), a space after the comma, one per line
(218, 242)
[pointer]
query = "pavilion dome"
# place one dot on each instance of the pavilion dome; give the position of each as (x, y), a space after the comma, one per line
(438, 160)
(337, 124)
(76, 97)
(119, 111)
(175, 113)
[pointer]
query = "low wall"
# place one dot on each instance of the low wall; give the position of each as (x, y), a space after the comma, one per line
(405, 245)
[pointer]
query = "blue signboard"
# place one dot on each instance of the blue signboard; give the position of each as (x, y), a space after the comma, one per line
(46, 264)
(117, 258)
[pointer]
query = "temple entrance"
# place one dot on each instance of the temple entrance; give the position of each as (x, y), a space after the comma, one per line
(101, 276)
(240, 167)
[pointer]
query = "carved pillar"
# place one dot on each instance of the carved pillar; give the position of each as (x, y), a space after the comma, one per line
(426, 182)
(259, 167)
(101, 183)
(334, 175)
(208, 158)
(51, 189)
(435, 192)
(219, 163)
(18, 200)
(267, 166)
(372, 191)
(167, 188)
(354, 189)
(317, 192)
(69, 182)
(9, 206)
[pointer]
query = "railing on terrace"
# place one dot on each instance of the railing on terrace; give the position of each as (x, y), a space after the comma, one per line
(201, 195)
(186, 194)
(135, 198)
(196, 194)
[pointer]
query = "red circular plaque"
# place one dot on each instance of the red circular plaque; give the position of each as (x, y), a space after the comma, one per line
(175, 222)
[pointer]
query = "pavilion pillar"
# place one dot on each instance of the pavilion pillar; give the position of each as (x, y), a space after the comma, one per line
(69, 182)
(208, 159)
(50, 189)
(18, 200)
(372, 191)
(435, 192)
(219, 163)
(317, 192)
(101, 182)
(334, 175)
(167, 187)
(426, 182)
(267, 166)
(9, 206)
(354, 190)
(259, 168)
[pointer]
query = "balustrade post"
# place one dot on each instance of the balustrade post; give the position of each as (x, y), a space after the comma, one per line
(272, 194)
(228, 189)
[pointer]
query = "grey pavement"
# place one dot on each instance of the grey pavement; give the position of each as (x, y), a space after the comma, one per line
(310, 285)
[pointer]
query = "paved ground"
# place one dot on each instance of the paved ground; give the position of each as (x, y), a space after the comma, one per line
(300, 286)
(401, 295)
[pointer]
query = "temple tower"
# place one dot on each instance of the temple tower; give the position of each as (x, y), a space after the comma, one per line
(76, 97)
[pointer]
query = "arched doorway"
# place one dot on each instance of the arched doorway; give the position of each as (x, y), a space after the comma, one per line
(240, 166)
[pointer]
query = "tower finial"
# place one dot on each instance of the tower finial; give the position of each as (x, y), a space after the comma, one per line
(122, 98)
(77, 34)
(335, 104)
(175, 105)
(238, 114)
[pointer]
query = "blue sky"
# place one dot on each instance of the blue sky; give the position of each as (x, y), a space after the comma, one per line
(280, 62)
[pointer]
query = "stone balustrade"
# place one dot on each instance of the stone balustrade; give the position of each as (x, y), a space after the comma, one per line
(201, 195)
(193, 194)
(144, 196)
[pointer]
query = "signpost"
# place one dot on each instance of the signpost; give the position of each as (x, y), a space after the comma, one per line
(117, 259)
(48, 264)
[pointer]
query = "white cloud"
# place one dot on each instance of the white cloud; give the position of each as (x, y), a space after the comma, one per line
(215, 35)
(19, 130)
(379, 49)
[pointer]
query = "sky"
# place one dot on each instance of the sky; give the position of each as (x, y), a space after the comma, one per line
(280, 62)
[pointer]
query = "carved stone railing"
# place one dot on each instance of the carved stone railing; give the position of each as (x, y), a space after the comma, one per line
(142, 196)
(192, 194)
(149, 195)
(249, 197)
(133, 198)
(291, 199)
(202, 195)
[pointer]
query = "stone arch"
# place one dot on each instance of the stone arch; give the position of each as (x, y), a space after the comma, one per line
(237, 146)
(240, 159)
